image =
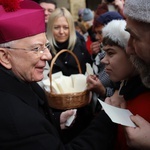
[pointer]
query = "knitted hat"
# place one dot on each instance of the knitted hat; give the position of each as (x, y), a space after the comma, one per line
(115, 30)
(20, 19)
(138, 10)
(109, 16)
(87, 14)
(80, 12)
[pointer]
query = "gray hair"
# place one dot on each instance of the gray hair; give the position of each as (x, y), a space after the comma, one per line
(7, 44)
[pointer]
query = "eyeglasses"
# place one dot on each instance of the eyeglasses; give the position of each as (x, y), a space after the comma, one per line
(38, 50)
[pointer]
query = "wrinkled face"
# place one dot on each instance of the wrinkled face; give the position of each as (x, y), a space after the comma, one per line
(139, 49)
(48, 9)
(26, 63)
(98, 33)
(61, 29)
(117, 63)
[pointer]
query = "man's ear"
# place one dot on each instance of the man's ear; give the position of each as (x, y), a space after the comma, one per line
(4, 59)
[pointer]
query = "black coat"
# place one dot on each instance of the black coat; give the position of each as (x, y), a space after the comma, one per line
(27, 124)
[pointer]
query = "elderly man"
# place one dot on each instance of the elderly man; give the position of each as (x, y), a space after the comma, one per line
(138, 25)
(27, 123)
(137, 14)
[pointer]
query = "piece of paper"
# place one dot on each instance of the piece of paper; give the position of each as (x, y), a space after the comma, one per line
(118, 115)
(71, 118)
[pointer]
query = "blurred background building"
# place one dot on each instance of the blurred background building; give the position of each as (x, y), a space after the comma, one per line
(75, 5)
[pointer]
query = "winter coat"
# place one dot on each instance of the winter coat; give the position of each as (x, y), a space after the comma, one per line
(26, 122)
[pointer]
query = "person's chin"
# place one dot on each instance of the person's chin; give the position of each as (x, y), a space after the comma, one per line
(113, 78)
(61, 40)
(39, 78)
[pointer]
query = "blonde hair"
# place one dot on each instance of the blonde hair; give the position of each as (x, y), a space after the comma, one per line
(59, 12)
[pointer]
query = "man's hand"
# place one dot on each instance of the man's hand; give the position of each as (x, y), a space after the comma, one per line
(116, 100)
(64, 116)
(138, 137)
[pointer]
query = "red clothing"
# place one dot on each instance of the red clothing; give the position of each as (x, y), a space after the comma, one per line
(139, 105)
(88, 44)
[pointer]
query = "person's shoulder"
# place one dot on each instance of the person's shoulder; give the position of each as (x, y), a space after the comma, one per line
(6, 98)
(80, 37)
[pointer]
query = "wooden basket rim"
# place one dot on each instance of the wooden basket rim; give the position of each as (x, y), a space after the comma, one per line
(69, 94)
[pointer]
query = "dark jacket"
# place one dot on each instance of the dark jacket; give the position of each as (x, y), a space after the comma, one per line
(27, 124)
(66, 62)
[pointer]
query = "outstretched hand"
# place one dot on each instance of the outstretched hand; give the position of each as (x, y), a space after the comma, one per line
(64, 116)
(139, 136)
(95, 85)
(116, 100)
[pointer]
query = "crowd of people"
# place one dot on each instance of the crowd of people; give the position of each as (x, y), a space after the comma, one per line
(116, 45)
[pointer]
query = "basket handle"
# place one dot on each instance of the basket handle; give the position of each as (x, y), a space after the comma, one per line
(54, 59)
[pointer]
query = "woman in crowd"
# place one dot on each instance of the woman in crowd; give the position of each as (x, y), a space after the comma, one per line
(62, 35)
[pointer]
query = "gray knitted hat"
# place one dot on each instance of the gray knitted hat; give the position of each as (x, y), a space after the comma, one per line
(138, 10)
(87, 14)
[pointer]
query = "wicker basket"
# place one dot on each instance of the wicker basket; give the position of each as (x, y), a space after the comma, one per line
(70, 100)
